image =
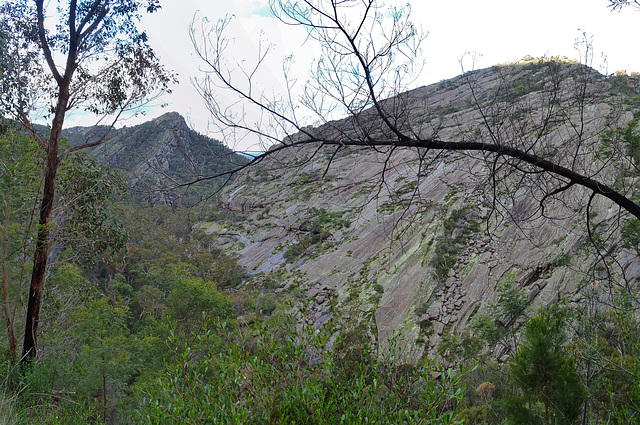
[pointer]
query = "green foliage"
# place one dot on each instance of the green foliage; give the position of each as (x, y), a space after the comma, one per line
(459, 349)
(109, 325)
(524, 84)
(550, 390)
(629, 412)
(189, 297)
(85, 228)
(8, 408)
(273, 374)
(266, 305)
(620, 85)
(608, 346)
(316, 230)
(90, 228)
(20, 167)
(442, 111)
(512, 302)
(106, 357)
(630, 231)
(445, 257)
(622, 145)
(165, 238)
(531, 79)
(504, 317)
(20, 176)
(26, 398)
(562, 261)
(631, 140)
(445, 253)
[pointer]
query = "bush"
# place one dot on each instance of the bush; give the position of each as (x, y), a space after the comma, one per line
(550, 389)
(273, 374)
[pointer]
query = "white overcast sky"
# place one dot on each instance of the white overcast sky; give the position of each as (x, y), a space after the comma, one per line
(498, 30)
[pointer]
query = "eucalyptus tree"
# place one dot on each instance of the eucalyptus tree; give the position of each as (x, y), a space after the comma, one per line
(86, 56)
(20, 166)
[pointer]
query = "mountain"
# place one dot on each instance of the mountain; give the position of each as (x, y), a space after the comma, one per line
(159, 155)
(383, 246)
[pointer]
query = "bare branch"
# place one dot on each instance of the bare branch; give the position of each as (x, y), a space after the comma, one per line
(46, 50)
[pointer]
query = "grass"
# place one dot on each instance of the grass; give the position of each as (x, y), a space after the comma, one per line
(8, 414)
(8, 409)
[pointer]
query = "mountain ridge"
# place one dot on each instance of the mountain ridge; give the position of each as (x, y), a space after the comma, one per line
(424, 256)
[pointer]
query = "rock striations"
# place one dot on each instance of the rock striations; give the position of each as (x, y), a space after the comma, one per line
(404, 251)
(413, 246)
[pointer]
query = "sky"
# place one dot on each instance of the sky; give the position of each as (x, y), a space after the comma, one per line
(492, 31)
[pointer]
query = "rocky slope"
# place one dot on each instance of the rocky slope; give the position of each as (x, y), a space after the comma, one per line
(386, 246)
(160, 154)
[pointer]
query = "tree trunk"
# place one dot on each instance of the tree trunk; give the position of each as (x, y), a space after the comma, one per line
(43, 244)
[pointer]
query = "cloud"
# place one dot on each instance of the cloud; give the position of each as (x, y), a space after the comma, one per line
(262, 10)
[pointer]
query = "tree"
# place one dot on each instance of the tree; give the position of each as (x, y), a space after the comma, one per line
(106, 357)
(93, 60)
(279, 371)
(20, 165)
(85, 226)
(620, 4)
(544, 373)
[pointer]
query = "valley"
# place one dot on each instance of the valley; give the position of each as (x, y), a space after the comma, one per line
(417, 278)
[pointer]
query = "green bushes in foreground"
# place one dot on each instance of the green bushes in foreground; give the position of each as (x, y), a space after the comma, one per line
(271, 374)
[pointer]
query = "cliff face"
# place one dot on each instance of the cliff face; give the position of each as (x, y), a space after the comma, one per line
(414, 245)
(160, 154)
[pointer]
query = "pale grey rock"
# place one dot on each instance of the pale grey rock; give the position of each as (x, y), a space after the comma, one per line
(400, 261)
(434, 310)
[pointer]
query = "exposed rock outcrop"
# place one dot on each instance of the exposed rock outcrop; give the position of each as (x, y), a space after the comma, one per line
(425, 247)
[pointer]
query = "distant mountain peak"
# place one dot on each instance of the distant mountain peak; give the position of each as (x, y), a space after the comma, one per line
(169, 116)
(161, 154)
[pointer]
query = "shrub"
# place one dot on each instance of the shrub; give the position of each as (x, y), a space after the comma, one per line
(273, 374)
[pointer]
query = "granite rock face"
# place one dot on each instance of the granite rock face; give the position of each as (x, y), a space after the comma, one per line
(414, 251)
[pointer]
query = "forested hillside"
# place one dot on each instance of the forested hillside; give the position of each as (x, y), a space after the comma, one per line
(160, 158)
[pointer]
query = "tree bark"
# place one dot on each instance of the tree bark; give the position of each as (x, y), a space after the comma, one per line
(43, 244)
(40, 257)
